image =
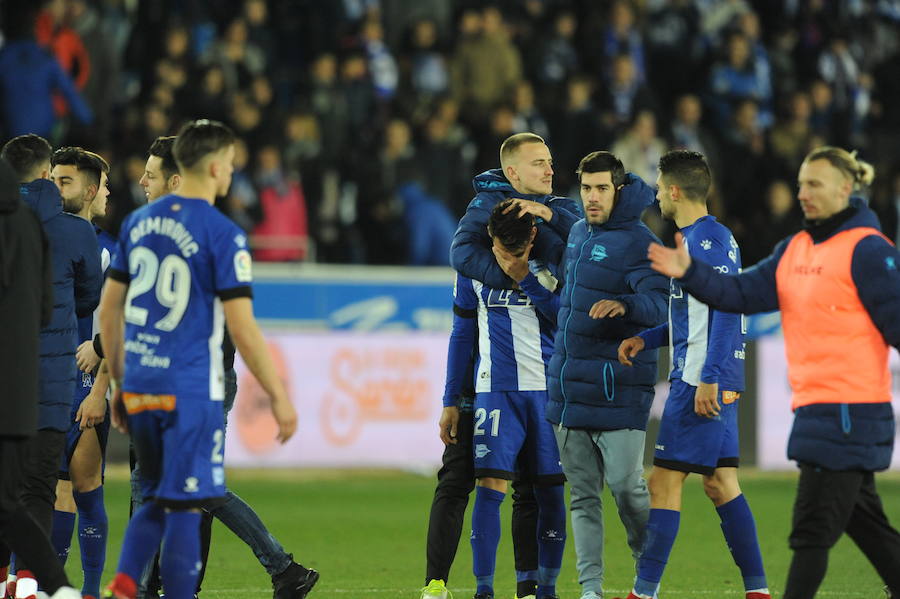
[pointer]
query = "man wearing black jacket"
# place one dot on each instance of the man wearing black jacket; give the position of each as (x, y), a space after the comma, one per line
(26, 304)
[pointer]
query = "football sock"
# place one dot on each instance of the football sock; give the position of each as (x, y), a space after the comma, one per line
(739, 529)
(142, 537)
(551, 536)
(485, 536)
(92, 532)
(662, 528)
(61, 533)
(180, 560)
(26, 584)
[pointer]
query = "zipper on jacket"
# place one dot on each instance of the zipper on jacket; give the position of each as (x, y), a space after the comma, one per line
(609, 382)
(846, 424)
(562, 370)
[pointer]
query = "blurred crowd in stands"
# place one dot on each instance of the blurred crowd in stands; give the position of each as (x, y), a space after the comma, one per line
(362, 122)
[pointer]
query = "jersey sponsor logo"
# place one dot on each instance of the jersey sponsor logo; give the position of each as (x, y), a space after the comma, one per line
(136, 403)
(507, 298)
(243, 266)
(481, 450)
(191, 484)
(87, 381)
(598, 253)
(706, 244)
(733, 255)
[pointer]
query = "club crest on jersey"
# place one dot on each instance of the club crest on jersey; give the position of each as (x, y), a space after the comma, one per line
(243, 266)
(598, 253)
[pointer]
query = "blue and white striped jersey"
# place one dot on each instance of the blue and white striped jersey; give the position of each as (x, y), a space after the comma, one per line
(181, 258)
(515, 341)
(706, 345)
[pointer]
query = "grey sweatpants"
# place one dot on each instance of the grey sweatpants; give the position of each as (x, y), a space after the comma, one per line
(588, 458)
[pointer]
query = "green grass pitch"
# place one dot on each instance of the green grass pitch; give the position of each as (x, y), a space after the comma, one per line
(365, 533)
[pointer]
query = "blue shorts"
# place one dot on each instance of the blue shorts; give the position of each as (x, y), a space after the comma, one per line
(73, 436)
(180, 448)
(688, 442)
(513, 440)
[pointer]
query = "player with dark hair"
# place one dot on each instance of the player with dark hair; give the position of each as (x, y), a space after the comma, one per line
(81, 177)
(161, 174)
(77, 278)
(699, 431)
(181, 271)
(161, 177)
(837, 285)
(511, 436)
(525, 178)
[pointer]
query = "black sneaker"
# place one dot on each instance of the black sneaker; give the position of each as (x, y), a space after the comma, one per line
(295, 582)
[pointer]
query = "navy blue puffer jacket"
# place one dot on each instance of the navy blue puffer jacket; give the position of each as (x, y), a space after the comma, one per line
(588, 387)
(77, 278)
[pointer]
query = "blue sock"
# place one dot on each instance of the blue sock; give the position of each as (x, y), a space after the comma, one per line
(61, 534)
(179, 564)
(142, 537)
(662, 528)
(485, 536)
(92, 531)
(551, 536)
(739, 529)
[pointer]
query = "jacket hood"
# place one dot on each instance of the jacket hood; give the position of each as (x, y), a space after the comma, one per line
(633, 199)
(43, 197)
(492, 180)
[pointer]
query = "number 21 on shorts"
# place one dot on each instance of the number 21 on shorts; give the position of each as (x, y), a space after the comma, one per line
(481, 415)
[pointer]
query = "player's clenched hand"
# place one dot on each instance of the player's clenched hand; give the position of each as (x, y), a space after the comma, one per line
(91, 411)
(448, 424)
(607, 309)
(672, 262)
(706, 400)
(117, 413)
(530, 207)
(629, 348)
(86, 358)
(286, 417)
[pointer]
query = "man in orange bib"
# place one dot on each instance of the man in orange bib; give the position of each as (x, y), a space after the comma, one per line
(838, 288)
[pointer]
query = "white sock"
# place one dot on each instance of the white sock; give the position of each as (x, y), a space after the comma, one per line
(66, 593)
(26, 587)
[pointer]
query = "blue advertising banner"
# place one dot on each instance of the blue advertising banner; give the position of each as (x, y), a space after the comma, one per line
(375, 299)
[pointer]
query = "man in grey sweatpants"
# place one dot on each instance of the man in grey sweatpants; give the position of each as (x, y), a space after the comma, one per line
(600, 408)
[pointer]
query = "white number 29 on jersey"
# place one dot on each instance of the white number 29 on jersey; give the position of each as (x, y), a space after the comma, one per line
(171, 279)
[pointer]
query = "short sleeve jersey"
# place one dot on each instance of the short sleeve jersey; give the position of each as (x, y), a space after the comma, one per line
(180, 258)
(690, 320)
